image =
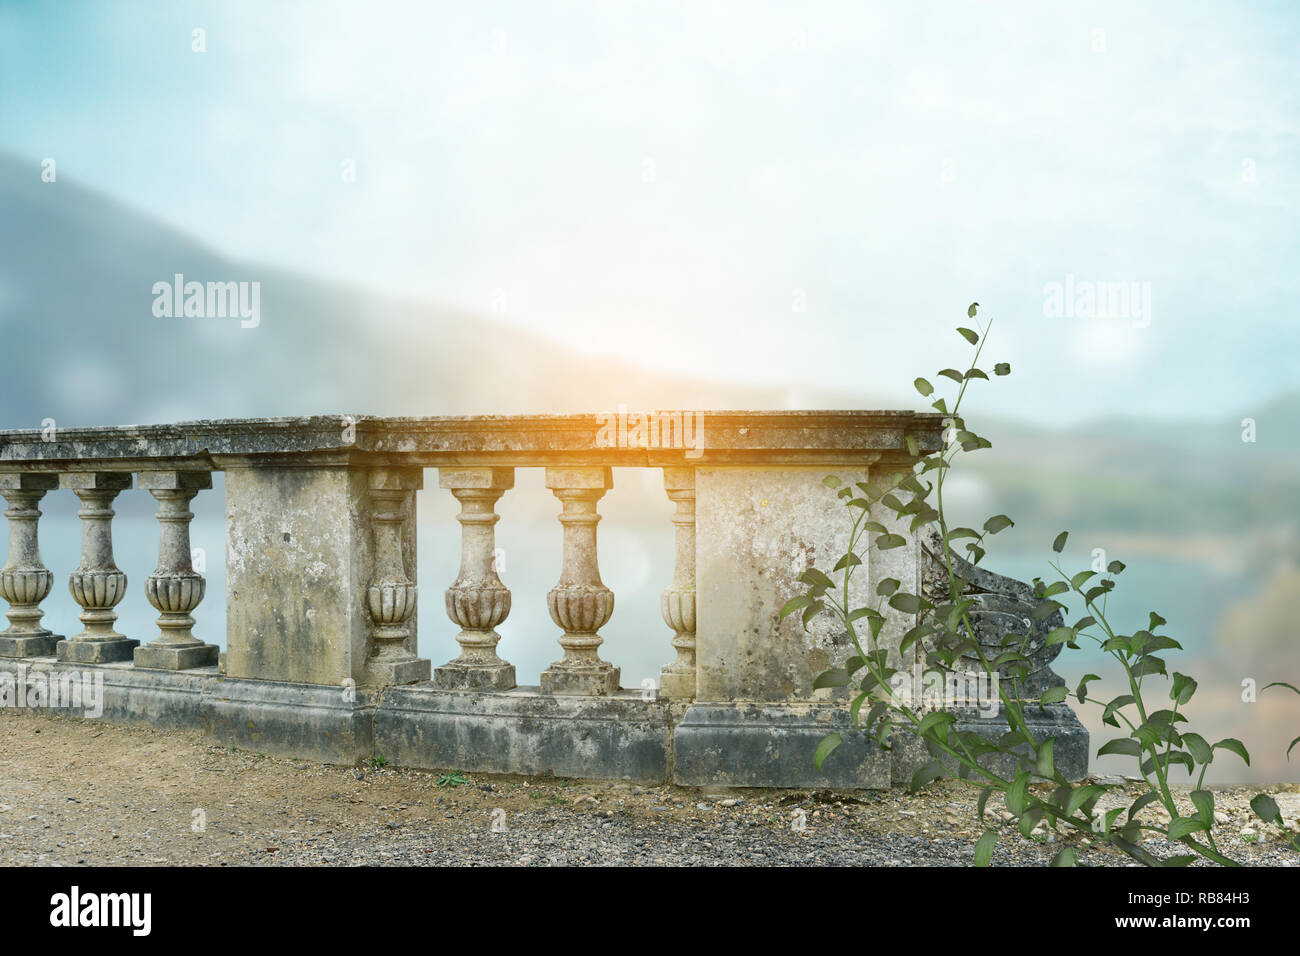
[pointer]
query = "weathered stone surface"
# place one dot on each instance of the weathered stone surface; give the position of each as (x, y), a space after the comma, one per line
(618, 736)
(1070, 748)
(677, 603)
(733, 437)
(175, 589)
(754, 744)
(477, 601)
(97, 584)
(25, 581)
(757, 530)
(580, 603)
(299, 555)
(391, 598)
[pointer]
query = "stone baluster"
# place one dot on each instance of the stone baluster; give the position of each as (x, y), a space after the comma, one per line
(580, 603)
(97, 584)
(24, 581)
(677, 602)
(175, 588)
(477, 601)
(391, 596)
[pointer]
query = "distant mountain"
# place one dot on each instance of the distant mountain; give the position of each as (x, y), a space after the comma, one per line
(83, 345)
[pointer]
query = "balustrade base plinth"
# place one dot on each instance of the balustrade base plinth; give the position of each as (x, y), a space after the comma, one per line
(29, 645)
(455, 676)
(111, 651)
(599, 680)
(411, 671)
(677, 686)
(164, 657)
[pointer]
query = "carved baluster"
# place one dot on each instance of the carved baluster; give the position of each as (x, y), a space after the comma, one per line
(175, 589)
(391, 597)
(477, 601)
(25, 582)
(580, 603)
(97, 584)
(678, 601)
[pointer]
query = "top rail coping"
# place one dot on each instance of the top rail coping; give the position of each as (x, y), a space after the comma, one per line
(840, 438)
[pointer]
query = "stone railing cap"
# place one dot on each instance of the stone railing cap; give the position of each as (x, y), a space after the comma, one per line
(711, 437)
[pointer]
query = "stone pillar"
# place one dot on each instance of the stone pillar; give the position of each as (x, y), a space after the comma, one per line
(580, 603)
(391, 596)
(677, 603)
(25, 582)
(97, 584)
(477, 601)
(175, 589)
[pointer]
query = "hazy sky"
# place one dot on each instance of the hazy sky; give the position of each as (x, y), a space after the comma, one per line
(775, 192)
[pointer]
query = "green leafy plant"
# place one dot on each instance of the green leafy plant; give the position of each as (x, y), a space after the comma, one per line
(1016, 764)
(378, 761)
(454, 779)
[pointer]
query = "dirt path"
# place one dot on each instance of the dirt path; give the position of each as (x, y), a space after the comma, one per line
(83, 792)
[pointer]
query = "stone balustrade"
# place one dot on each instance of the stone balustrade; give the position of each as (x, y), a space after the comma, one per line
(321, 655)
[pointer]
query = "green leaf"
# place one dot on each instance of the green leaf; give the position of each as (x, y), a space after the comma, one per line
(855, 709)
(830, 481)
(953, 374)
(818, 580)
(1002, 368)
(1198, 747)
(1081, 692)
(1186, 826)
(1059, 544)
(930, 721)
(1236, 746)
(998, 523)
(1146, 799)
(968, 335)
(930, 772)
(983, 801)
(792, 605)
(924, 387)
(1017, 798)
(1046, 765)
(907, 603)
(1054, 695)
(1282, 683)
(984, 847)
(1060, 635)
(1121, 745)
(887, 541)
(1066, 857)
(1266, 808)
(811, 611)
(828, 744)
(1183, 689)
(887, 587)
(1081, 795)
(970, 310)
(1203, 800)
(849, 560)
(835, 677)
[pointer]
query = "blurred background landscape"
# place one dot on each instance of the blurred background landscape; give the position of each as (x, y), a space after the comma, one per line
(762, 208)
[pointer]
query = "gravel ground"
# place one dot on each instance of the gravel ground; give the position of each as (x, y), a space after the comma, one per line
(82, 792)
